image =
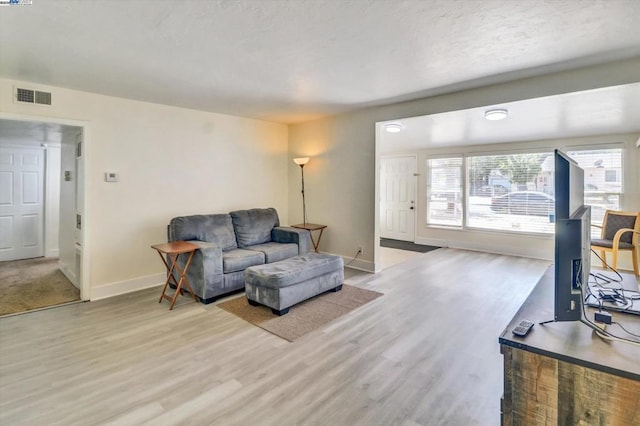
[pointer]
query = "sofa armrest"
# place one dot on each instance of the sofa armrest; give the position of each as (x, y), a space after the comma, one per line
(301, 237)
(205, 246)
(208, 254)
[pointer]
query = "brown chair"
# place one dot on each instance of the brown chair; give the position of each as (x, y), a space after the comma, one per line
(620, 232)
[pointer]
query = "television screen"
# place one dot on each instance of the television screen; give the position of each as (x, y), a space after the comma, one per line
(572, 238)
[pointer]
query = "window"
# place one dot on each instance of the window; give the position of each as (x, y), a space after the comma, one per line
(511, 192)
(602, 180)
(444, 191)
(515, 192)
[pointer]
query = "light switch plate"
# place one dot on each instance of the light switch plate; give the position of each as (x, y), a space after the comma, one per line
(110, 176)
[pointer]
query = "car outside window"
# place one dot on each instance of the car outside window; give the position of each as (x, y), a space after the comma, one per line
(525, 201)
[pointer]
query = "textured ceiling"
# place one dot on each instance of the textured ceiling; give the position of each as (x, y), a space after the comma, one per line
(291, 61)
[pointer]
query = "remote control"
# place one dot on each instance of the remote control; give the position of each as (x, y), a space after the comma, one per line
(523, 328)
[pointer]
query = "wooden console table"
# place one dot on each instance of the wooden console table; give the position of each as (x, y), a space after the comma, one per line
(173, 250)
(563, 374)
(312, 227)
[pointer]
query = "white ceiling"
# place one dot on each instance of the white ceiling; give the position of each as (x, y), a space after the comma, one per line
(604, 111)
(294, 60)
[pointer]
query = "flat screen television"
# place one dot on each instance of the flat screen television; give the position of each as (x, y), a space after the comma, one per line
(572, 238)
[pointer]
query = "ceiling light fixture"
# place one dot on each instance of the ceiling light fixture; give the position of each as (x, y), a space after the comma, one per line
(496, 114)
(393, 127)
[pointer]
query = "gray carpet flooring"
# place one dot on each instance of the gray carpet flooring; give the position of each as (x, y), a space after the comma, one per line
(32, 284)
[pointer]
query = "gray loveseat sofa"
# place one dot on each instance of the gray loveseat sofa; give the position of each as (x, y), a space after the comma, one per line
(230, 243)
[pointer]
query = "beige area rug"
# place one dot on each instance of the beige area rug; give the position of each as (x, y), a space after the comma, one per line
(33, 283)
(303, 317)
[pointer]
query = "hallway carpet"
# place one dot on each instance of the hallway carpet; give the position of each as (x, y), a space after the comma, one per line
(33, 283)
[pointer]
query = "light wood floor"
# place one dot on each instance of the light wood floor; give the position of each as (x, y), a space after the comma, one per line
(425, 353)
(390, 256)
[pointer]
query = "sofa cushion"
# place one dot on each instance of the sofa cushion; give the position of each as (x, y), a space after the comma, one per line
(238, 259)
(254, 226)
(274, 252)
(212, 228)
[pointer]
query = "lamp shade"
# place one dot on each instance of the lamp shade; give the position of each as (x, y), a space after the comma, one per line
(301, 161)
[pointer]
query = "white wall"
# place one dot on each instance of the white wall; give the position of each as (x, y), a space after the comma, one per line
(174, 161)
(340, 180)
(171, 161)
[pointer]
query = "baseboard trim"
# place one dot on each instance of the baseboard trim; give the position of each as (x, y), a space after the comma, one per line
(359, 264)
(466, 245)
(52, 253)
(66, 271)
(127, 286)
(519, 252)
(141, 283)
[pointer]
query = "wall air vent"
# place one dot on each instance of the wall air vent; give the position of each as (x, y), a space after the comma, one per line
(33, 96)
(43, 98)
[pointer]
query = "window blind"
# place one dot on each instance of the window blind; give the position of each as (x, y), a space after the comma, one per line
(444, 191)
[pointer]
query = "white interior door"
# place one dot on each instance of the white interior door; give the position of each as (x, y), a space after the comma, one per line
(397, 197)
(21, 203)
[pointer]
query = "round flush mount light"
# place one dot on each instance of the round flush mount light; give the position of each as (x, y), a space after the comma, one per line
(496, 114)
(393, 127)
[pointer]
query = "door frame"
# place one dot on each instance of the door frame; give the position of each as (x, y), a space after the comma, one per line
(85, 264)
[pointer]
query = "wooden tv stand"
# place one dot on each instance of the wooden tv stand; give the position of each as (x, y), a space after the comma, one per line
(561, 373)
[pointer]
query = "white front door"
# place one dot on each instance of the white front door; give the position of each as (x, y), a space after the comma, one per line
(397, 197)
(21, 203)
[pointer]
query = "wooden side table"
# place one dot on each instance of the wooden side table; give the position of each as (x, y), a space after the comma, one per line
(312, 227)
(173, 250)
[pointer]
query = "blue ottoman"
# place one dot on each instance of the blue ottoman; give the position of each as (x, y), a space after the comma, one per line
(280, 285)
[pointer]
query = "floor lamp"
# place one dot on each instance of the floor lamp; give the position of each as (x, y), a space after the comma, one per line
(301, 162)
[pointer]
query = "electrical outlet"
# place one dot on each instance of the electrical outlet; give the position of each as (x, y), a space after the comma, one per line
(360, 250)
